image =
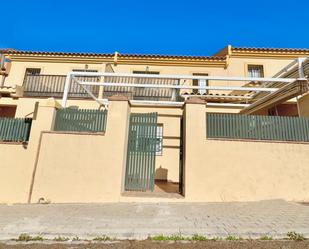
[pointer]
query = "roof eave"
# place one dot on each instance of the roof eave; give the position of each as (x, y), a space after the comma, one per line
(121, 59)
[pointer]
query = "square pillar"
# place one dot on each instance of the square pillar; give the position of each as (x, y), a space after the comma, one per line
(194, 139)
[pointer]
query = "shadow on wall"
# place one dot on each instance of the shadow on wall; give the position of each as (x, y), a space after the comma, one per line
(161, 174)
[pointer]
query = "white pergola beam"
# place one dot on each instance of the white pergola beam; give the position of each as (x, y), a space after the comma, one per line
(181, 76)
(221, 88)
(71, 76)
(216, 96)
(179, 104)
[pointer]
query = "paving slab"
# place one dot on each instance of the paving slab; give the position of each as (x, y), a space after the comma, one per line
(140, 220)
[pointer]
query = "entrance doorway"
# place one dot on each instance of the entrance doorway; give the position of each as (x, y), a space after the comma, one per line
(154, 163)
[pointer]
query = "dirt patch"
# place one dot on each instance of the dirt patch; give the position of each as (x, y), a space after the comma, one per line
(169, 245)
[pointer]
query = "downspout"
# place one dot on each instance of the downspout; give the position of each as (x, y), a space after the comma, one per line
(2, 80)
(2, 69)
(116, 58)
(227, 57)
(301, 74)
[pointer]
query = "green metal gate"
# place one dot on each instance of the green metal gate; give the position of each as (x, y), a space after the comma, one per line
(141, 155)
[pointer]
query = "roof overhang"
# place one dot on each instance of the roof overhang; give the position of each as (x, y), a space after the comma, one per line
(253, 52)
(117, 58)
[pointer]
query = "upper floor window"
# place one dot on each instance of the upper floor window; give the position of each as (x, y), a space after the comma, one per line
(33, 71)
(200, 82)
(87, 78)
(146, 72)
(255, 71)
(85, 70)
(144, 80)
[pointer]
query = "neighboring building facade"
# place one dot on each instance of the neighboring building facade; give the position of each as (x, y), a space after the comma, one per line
(62, 164)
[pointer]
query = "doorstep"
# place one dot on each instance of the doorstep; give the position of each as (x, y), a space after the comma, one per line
(149, 194)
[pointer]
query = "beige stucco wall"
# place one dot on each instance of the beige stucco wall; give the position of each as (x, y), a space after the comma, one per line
(207, 177)
(239, 66)
(170, 118)
(17, 160)
(243, 170)
(18, 69)
(15, 175)
(236, 67)
(90, 168)
(85, 168)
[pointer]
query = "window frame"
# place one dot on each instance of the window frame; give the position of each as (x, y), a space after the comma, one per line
(33, 68)
(199, 91)
(84, 70)
(252, 66)
(145, 72)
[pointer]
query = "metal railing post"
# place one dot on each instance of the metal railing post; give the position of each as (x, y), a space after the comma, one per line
(301, 73)
(66, 90)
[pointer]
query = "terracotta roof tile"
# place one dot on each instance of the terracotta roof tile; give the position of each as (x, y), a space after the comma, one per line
(13, 51)
(158, 56)
(173, 56)
(264, 49)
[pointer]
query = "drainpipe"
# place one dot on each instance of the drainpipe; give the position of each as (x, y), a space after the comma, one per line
(228, 55)
(2, 59)
(301, 74)
(2, 80)
(116, 58)
(2, 69)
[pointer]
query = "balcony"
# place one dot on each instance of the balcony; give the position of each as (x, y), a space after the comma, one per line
(43, 85)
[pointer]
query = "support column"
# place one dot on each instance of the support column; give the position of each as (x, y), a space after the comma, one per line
(194, 139)
(44, 121)
(118, 120)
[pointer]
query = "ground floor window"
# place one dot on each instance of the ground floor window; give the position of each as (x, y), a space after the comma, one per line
(284, 110)
(7, 111)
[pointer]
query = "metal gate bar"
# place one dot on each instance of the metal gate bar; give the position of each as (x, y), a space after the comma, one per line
(141, 155)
